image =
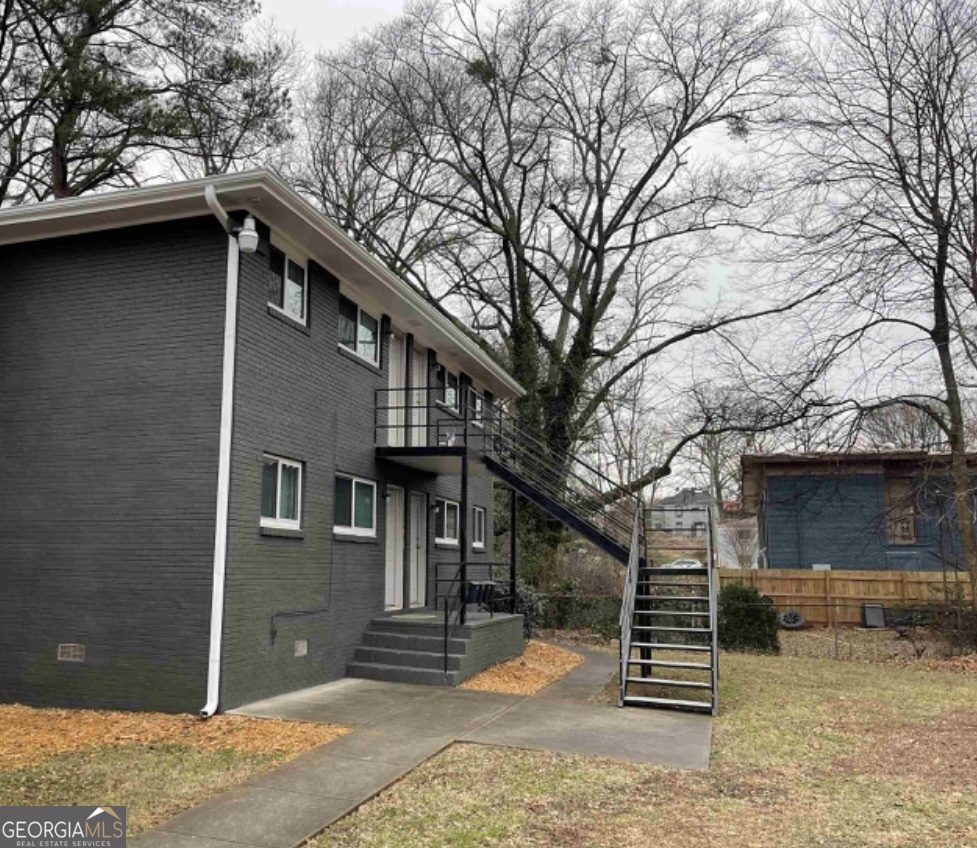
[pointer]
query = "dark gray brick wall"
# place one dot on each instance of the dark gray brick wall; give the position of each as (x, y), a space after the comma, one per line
(110, 372)
(298, 396)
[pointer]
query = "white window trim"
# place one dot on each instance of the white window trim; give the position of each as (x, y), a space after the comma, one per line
(456, 407)
(304, 320)
(284, 523)
(476, 544)
(477, 420)
(349, 530)
(447, 540)
(354, 349)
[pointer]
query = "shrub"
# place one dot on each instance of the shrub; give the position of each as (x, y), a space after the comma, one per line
(954, 623)
(561, 604)
(529, 605)
(747, 622)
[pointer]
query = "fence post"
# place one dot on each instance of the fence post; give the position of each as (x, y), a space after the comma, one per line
(830, 603)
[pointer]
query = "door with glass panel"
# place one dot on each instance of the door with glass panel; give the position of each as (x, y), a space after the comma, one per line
(397, 414)
(417, 549)
(419, 399)
(394, 595)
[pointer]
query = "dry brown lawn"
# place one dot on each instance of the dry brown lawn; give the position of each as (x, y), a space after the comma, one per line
(153, 763)
(536, 668)
(806, 752)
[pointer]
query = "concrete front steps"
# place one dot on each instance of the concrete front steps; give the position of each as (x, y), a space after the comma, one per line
(409, 648)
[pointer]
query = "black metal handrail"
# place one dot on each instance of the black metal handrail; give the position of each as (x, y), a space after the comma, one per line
(478, 424)
(453, 594)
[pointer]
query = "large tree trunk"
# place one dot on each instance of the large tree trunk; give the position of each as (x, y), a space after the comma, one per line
(959, 471)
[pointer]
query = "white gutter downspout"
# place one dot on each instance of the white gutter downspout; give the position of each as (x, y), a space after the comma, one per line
(224, 462)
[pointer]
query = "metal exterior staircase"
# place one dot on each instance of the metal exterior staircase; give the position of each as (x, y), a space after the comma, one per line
(668, 640)
(655, 620)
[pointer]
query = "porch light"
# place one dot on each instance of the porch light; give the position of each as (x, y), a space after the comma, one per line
(247, 236)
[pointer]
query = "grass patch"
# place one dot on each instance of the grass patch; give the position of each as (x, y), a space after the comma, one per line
(154, 764)
(806, 752)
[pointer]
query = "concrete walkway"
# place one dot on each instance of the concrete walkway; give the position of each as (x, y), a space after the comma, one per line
(397, 726)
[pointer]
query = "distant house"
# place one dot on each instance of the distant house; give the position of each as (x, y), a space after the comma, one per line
(887, 510)
(685, 513)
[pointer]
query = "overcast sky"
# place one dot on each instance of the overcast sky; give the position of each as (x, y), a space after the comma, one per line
(328, 23)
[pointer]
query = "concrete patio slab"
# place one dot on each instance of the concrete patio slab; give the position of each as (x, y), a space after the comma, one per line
(333, 776)
(384, 746)
(585, 681)
(349, 702)
(398, 726)
(637, 736)
(259, 816)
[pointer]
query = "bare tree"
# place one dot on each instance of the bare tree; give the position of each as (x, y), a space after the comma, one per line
(883, 151)
(901, 427)
(545, 172)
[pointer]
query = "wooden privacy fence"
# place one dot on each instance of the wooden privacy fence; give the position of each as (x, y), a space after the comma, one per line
(815, 594)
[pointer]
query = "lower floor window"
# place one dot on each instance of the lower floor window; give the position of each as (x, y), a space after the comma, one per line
(281, 493)
(446, 522)
(355, 510)
(478, 528)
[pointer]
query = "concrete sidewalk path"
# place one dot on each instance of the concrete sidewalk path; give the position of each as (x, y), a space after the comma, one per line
(398, 726)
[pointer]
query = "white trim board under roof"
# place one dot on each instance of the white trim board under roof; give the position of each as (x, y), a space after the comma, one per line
(269, 199)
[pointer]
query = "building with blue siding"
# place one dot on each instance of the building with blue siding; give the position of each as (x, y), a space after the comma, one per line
(890, 510)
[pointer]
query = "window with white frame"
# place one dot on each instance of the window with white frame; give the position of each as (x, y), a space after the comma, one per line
(478, 408)
(355, 506)
(287, 289)
(478, 528)
(446, 522)
(281, 493)
(359, 331)
(447, 387)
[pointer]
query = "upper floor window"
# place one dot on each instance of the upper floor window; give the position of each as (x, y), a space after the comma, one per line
(287, 289)
(446, 522)
(900, 507)
(478, 528)
(478, 408)
(281, 493)
(447, 387)
(359, 331)
(355, 506)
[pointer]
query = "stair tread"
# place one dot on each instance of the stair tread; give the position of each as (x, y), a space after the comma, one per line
(671, 629)
(672, 664)
(407, 651)
(665, 681)
(678, 572)
(685, 613)
(639, 700)
(683, 585)
(668, 646)
(701, 598)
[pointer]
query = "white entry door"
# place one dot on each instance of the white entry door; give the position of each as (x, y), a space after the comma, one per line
(397, 415)
(394, 595)
(417, 549)
(419, 400)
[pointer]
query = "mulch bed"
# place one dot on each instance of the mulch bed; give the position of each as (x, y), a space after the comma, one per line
(536, 668)
(29, 736)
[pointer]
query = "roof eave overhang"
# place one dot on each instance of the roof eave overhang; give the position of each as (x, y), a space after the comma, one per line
(268, 198)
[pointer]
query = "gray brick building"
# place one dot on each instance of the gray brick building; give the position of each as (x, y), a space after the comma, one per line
(194, 510)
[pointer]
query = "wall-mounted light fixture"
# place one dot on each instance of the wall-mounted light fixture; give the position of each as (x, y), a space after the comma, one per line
(247, 236)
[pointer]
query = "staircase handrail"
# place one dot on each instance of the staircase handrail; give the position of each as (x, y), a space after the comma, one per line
(628, 600)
